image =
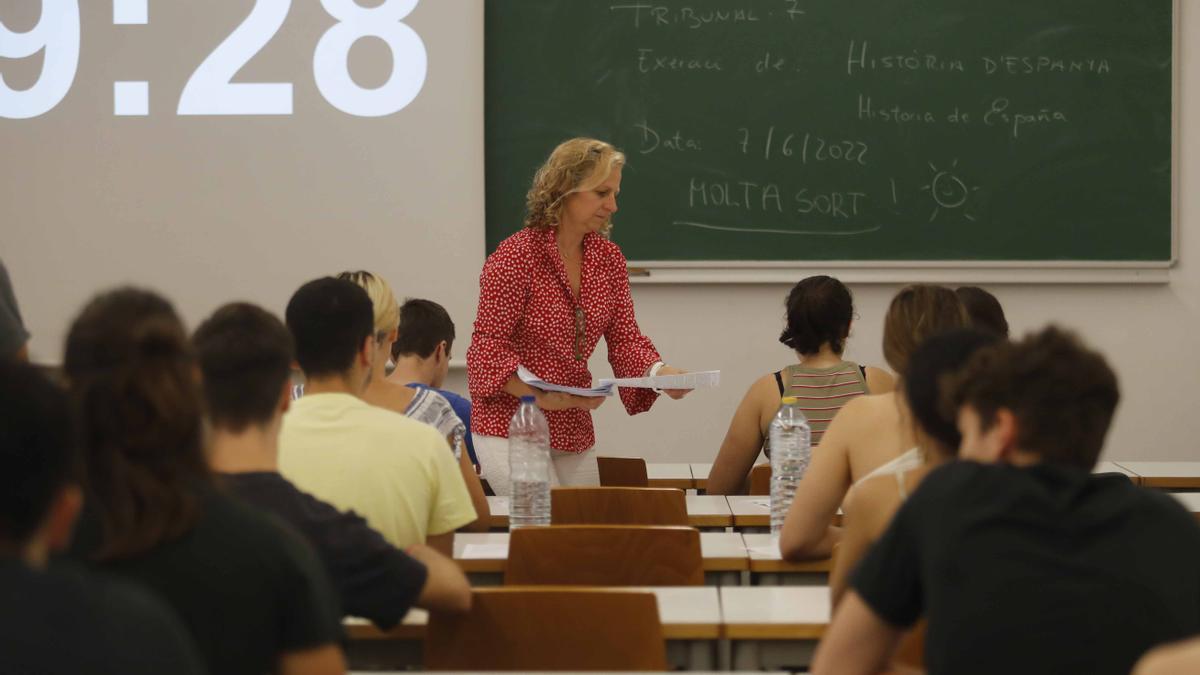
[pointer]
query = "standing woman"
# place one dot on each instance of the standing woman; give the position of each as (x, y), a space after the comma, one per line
(546, 297)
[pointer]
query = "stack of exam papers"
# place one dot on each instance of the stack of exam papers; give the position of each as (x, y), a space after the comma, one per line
(608, 386)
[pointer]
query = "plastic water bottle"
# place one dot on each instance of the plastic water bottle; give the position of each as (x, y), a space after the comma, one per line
(529, 466)
(791, 449)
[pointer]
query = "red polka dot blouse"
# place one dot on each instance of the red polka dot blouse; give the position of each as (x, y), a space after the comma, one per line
(527, 316)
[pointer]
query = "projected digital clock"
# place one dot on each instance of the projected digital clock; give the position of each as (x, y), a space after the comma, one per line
(210, 90)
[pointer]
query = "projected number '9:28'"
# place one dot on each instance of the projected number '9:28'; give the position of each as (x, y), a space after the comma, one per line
(210, 90)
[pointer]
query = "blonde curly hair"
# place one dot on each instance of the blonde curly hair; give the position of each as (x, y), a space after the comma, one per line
(575, 165)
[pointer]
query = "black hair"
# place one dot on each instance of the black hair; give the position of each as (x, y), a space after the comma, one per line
(929, 366)
(245, 355)
(819, 311)
(329, 319)
(38, 451)
(984, 309)
(423, 324)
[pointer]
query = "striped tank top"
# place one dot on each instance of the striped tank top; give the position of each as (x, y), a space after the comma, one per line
(821, 392)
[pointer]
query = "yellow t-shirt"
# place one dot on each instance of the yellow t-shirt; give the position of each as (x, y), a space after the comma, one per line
(397, 473)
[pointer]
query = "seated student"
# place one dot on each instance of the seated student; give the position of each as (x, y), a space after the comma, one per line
(819, 312)
(869, 436)
(108, 627)
(1020, 559)
(252, 594)
(421, 353)
(245, 354)
(14, 339)
(423, 405)
(396, 472)
(870, 506)
(984, 309)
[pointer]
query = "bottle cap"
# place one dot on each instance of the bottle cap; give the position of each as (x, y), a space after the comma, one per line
(789, 400)
(528, 399)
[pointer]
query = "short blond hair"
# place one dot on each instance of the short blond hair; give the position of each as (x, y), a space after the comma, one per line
(383, 301)
(575, 165)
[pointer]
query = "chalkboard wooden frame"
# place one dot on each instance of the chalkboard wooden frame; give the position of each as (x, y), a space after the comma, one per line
(645, 271)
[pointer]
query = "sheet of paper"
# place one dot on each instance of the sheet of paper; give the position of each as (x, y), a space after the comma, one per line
(700, 380)
(536, 382)
(484, 551)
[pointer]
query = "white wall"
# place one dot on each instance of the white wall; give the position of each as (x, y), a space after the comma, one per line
(404, 196)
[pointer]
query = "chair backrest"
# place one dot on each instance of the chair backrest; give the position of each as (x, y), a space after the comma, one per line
(617, 506)
(760, 479)
(605, 555)
(622, 472)
(527, 629)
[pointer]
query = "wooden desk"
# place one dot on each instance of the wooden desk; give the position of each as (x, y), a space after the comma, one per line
(1113, 467)
(768, 568)
(486, 553)
(1169, 475)
(700, 474)
(691, 618)
(755, 511)
(708, 511)
(774, 627)
(675, 475)
(703, 511)
(750, 510)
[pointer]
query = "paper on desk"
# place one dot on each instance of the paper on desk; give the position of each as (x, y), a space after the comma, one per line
(484, 551)
(700, 380)
(768, 550)
(536, 382)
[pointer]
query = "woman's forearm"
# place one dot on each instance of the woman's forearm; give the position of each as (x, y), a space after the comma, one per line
(514, 386)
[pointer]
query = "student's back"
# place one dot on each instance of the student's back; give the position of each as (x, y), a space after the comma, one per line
(63, 620)
(57, 618)
(1036, 569)
(396, 472)
(246, 588)
(251, 593)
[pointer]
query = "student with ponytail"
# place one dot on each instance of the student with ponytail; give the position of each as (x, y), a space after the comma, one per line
(252, 594)
(819, 312)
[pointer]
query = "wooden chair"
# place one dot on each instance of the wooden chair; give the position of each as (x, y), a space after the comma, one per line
(617, 506)
(528, 629)
(760, 479)
(622, 472)
(605, 555)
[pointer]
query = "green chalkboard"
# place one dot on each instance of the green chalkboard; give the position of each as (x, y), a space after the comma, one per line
(856, 130)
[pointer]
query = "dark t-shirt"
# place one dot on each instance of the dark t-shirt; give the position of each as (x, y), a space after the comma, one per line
(1036, 570)
(375, 580)
(247, 587)
(64, 621)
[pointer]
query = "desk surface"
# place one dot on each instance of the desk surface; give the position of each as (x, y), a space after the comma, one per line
(703, 511)
(1164, 474)
(677, 475)
(488, 551)
(775, 613)
(686, 612)
(700, 473)
(765, 557)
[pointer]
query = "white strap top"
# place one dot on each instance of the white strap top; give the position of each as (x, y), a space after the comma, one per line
(897, 467)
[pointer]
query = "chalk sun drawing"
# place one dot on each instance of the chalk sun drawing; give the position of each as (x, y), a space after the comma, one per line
(949, 192)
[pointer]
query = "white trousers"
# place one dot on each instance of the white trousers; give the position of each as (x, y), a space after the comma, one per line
(568, 468)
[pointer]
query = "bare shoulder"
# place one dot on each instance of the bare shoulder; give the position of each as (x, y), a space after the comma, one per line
(879, 381)
(872, 503)
(869, 407)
